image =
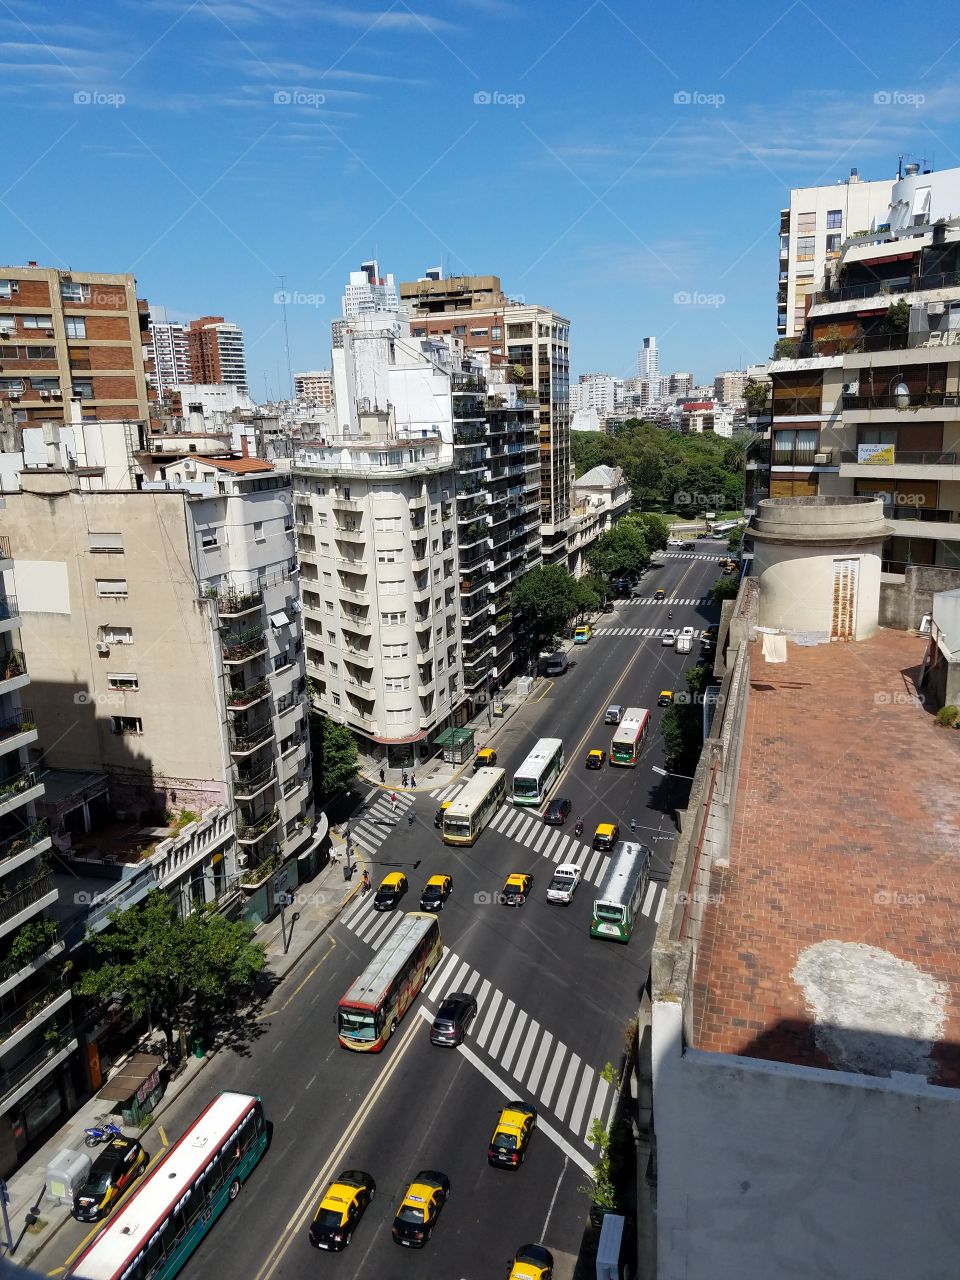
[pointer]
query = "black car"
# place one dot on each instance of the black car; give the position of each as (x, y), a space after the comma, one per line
(558, 811)
(115, 1169)
(453, 1017)
(606, 607)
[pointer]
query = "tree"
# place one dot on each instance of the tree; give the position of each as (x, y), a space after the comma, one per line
(682, 724)
(735, 541)
(655, 529)
(335, 759)
(756, 395)
(622, 549)
(542, 604)
(897, 319)
(724, 589)
(163, 964)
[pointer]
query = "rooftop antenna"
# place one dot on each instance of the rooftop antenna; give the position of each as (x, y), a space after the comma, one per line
(286, 338)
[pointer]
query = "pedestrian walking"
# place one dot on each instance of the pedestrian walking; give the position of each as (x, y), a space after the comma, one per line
(403, 778)
(413, 779)
(393, 800)
(383, 776)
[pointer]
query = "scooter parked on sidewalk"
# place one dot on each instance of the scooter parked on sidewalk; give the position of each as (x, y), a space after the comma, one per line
(101, 1133)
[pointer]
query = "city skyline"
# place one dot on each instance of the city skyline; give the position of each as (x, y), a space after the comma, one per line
(657, 187)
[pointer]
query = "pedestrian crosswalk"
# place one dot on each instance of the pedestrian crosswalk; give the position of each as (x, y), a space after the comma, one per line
(670, 601)
(550, 842)
(686, 555)
(638, 631)
(556, 1078)
(370, 831)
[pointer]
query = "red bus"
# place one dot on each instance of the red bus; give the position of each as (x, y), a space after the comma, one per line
(628, 739)
(368, 1014)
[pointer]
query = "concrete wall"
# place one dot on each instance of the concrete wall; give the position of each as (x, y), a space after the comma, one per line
(903, 603)
(768, 1171)
(797, 587)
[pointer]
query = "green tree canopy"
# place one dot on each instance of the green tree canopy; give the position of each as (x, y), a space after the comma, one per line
(756, 395)
(682, 724)
(622, 549)
(724, 589)
(335, 759)
(162, 963)
(655, 529)
(543, 602)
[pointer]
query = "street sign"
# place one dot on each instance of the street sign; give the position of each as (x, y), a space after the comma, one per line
(284, 899)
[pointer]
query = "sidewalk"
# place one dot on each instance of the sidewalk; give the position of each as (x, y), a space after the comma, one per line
(315, 907)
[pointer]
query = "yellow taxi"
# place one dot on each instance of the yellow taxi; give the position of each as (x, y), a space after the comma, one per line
(606, 835)
(660, 594)
(115, 1169)
(435, 893)
(418, 1212)
(595, 759)
(511, 1135)
(341, 1208)
(515, 888)
(665, 698)
(485, 758)
(532, 1262)
(391, 890)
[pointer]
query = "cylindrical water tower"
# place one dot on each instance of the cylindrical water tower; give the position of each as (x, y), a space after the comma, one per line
(818, 564)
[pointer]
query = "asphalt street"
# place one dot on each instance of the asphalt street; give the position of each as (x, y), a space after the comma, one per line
(553, 1005)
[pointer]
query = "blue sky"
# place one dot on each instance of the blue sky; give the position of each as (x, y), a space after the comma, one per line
(209, 147)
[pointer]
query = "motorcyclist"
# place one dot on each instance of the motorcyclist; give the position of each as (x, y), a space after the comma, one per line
(578, 829)
(365, 881)
(669, 613)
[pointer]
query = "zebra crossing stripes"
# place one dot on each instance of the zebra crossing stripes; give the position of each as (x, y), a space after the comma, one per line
(550, 842)
(370, 926)
(647, 632)
(669, 600)
(376, 824)
(686, 555)
(559, 1080)
(447, 793)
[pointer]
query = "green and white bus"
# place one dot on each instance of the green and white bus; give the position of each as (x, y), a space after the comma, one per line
(466, 815)
(155, 1231)
(538, 774)
(620, 896)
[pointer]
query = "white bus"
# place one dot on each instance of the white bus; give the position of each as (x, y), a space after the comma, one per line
(620, 896)
(467, 815)
(538, 774)
(627, 742)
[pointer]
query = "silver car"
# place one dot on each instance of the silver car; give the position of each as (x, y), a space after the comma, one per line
(614, 714)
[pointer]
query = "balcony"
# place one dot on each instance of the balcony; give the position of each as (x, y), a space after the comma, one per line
(13, 666)
(359, 597)
(346, 504)
(244, 742)
(359, 657)
(9, 612)
(351, 622)
(24, 844)
(234, 604)
(243, 646)
(5, 552)
(242, 699)
(19, 789)
(351, 564)
(906, 465)
(248, 786)
(27, 900)
(15, 1027)
(251, 832)
(896, 285)
(21, 722)
(356, 537)
(915, 400)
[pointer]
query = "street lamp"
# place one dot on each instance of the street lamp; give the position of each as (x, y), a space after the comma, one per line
(666, 773)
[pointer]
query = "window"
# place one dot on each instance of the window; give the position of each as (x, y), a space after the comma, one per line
(324, 548)
(436, 574)
(116, 635)
(402, 715)
(393, 588)
(395, 650)
(33, 353)
(834, 218)
(76, 326)
(396, 684)
(328, 606)
(209, 539)
(833, 244)
(126, 683)
(435, 544)
(805, 248)
(806, 223)
(126, 724)
(8, 288)
(440, 664)
(327, 578)
(331, 637)
(434, 515)
(83, 388)
(388, 557)
(397, 619)
(335, 699)
(258, 531)
(104, 541)
(111, 588)
(321, 520)
(44, 384)
(72, 292)
(460, 329)
(479, 333)
(36, 322)
(496, 331)
(388, 524)
(11, 386)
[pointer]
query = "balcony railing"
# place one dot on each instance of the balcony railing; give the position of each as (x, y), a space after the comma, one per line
(896, 285)
(20, 722)
(12, 664)
(249, 739)
(255, 830)
(237, 699)
(23, 840)
(243, 645)
(906, 457)
(33, 1063)
(5, 553)
(233, 603)
(27, 1012)
(8, 606)
(30, 892)
(251, 784)
(916, 400)
(17, 784)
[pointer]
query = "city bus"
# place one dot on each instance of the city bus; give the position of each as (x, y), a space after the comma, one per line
(466, 816)
(538, 774)
(620, 896)
(368, 1014)
(628, 739)
(157, 1229)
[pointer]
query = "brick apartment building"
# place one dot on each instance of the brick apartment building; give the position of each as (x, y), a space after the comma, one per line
(216, 352)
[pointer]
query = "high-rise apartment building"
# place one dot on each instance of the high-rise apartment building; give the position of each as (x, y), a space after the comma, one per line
(170, 349)
(868, 402)
(534, 342)
(680, 384)
(36, 1035)
(648, 360)
(599, 391)
(216, 352)
(165, 613)
(71, 336)
(316, 386)
(728, 386)
(368, 291)
(812, 230)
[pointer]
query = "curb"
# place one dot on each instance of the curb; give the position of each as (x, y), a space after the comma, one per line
(281, 974)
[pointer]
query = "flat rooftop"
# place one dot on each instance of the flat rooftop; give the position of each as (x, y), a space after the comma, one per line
(832, 938)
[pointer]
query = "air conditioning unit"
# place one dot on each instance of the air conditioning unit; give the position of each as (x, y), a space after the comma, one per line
(44, 395)
(102, 646)
(851, 388)
(57, 395)
(48, 333)
(14, 286)
(822, 459)
(935, 308)
(243, 860)
(14, 395)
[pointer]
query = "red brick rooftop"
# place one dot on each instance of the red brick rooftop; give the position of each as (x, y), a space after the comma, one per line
(833, 937)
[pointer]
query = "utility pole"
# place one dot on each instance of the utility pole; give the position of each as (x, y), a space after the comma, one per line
(286, 337)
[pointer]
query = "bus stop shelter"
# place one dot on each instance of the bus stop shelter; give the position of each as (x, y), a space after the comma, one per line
(457, 745)
(136, 1087)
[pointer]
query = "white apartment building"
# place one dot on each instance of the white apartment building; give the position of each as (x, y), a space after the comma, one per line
(217, 400)
(728, 386)
(165, 615)
(812, 229)
(648, 360)
(599, 391)
(680, 384)
(317, 387)
(368, 291)
(36, 1035)
(170, 350)
(601, 498)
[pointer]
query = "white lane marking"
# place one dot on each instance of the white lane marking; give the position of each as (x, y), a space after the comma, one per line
(488, 1022)
(446, 966)
(595, 857)
(563, 1097)
(505, 1019)
(576, 1115)
(551, 844)
(550, 1083)
(648, 898)
(553, 1200)
(482, 993)
(455, 985)
(533, 1032)
(514, 1040)
(540, 1062)
(660, 905)
(499, 820)
(542, 839)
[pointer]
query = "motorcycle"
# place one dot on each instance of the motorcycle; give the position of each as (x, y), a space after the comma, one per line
(578, 829)
(101, 1133)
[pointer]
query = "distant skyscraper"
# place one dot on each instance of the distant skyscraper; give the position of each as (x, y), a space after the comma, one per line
(680, 383)
(367, 291)
(648, 359)
(171, 351)
(316, 386)
(216, 352)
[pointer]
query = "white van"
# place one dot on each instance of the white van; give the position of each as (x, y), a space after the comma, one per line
(556, 664)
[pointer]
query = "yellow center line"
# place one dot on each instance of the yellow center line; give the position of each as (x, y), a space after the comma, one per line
(296, 991)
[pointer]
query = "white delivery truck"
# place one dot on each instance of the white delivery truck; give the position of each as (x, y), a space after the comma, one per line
(685, 640)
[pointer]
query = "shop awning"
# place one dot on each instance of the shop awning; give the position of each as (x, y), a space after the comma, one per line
(130, 1077)
(453, 737)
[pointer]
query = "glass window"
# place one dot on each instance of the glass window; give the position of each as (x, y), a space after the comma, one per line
(806, 222)
(834, 218)
(76, 326)
(805, 248)
(833, 244)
